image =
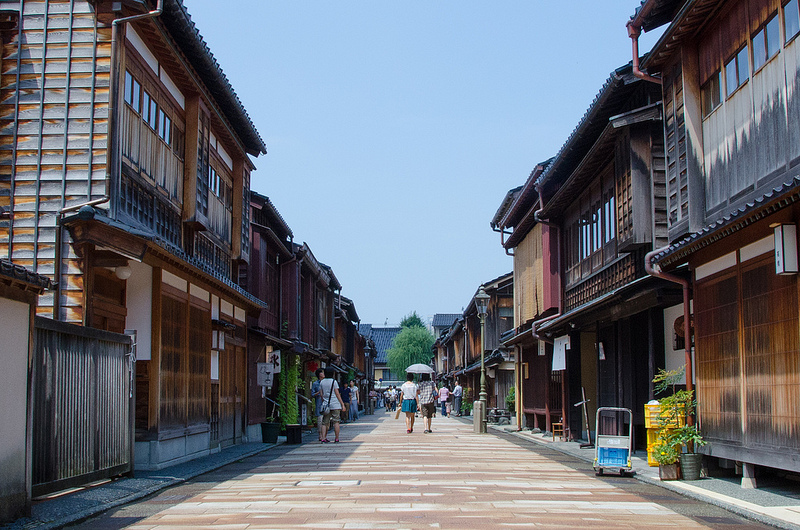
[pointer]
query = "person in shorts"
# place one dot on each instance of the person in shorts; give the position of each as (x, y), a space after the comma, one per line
(409, 392)
(332, 405)
(427, 400)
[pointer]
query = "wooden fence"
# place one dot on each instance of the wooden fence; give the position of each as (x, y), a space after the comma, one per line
(82, 405)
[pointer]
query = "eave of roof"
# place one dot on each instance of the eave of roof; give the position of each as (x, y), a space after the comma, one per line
(686, 23)
(581, 138)
(265, 203)
(169, 252)
(179, 23)
(19, 274)
(771, 202)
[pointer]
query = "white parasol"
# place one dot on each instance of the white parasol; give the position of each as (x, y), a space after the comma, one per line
(419, 369)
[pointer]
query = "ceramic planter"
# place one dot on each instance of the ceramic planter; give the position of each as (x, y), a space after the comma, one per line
(691, 466)
(669, 471)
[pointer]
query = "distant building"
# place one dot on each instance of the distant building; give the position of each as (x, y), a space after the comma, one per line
(383, 337)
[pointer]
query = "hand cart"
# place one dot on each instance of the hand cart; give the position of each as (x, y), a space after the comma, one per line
(613, 445)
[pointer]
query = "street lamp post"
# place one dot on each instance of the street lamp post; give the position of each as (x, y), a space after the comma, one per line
(481, 303)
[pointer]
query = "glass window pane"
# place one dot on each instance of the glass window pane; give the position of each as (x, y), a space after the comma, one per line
(128, 87)
(773, 37)
(136, 92)
(153, 114)
(146, 106)
(759, 50)
(791, 19)
(743, 64)
(730, 76)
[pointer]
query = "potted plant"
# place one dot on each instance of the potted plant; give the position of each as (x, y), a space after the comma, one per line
(677, 438)
(667, 454)
(271, 426)
(511, 399)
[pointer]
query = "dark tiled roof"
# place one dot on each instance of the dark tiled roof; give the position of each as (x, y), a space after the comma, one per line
(87, 213)
(660, 12)
(177, 20)
(21, 274)
(383, 338)
(445, 320)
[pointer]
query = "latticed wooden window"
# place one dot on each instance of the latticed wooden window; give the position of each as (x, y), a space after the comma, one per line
(199, 365)
(203, 163)
(173, 363)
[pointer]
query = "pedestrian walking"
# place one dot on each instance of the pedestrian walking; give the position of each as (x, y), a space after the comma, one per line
(373, 400)
(427, 401)
(444, 395)
(409, 392)
(393, 397)
(332, 405)
(457, 393)
(317, 395)
(353, 401)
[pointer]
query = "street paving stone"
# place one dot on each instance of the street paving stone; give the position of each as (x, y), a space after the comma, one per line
(381, 477)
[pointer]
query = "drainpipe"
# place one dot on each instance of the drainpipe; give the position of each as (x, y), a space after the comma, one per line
(655, 271)
(634, 31)
(114, 158)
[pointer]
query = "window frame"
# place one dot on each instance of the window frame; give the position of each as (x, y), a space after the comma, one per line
(742, 52)
(786, 37)
(762, 36)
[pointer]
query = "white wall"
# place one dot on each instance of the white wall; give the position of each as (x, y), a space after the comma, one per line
(140, 307)
(14, 330)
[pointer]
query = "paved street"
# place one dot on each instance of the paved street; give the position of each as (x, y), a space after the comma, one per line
(381, 477)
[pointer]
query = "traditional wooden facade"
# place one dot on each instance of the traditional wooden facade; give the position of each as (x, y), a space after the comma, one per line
(534, 246)
(126, 178)
(605, 193)
(729, 73)
(271, 249)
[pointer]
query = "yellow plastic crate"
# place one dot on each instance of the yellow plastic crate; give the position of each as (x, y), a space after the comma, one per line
(652, 440)
(652, 415)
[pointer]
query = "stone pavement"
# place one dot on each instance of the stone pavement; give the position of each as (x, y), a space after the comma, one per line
(381, 477)
(772, 503)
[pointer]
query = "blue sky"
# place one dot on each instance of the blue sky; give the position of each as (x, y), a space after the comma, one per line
(395, 129)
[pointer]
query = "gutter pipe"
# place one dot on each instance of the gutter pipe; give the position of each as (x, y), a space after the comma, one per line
(654, 270)
(634, 31)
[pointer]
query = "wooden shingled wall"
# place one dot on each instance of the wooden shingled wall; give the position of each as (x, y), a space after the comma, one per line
(54, 93)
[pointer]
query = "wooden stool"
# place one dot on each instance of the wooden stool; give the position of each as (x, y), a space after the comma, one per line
(558, 429)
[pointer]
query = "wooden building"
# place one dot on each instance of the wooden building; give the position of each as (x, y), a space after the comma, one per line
(461, 345)
(728, 72)
(534, 247)
(271, 252)
(126, 176)
(604, 192)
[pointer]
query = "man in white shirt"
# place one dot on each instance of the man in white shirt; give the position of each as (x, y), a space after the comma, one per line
(457, 393)
(332, 405)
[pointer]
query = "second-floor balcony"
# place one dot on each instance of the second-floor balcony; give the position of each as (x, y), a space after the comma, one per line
(149, 151)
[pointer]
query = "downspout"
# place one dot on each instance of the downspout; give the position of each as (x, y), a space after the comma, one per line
(634, 31)
(655, 271)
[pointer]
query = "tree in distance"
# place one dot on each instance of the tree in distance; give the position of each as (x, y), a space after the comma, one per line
(412, 345)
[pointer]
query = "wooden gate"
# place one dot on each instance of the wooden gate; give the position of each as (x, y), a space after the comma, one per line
(82, 405)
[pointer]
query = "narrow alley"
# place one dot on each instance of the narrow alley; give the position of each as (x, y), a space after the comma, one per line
(381, 477)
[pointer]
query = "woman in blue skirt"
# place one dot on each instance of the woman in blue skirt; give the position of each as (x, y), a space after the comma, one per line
(410, 393)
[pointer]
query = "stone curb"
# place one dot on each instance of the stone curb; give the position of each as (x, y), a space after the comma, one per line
(730, 505)
(100, 507)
